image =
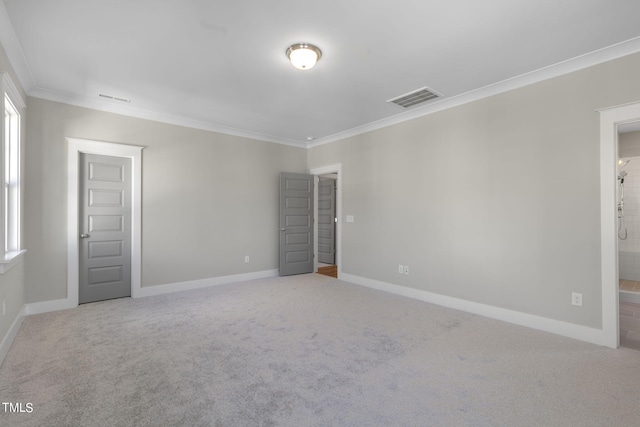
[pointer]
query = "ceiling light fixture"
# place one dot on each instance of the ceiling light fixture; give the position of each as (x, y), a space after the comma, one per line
(303, 56)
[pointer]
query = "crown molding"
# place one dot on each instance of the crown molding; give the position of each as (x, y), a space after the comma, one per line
(561, 68)
(587, 60)
(127, 110)
(12, 90)
(9, 41)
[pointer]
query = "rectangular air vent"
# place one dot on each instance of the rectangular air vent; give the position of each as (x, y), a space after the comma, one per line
(114, 98)
(414, 98)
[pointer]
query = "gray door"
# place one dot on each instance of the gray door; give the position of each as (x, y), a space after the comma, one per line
(105, 227)
(296, 224)
(327, 221)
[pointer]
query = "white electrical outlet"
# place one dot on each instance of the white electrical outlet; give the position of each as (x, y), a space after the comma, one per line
(576, 299)
(400, 269)
(406, 269)
(246, 259)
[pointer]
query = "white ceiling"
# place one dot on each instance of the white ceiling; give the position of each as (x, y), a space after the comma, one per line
(222, 65)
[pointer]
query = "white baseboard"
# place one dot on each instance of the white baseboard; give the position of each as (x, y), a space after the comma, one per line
(148, 291)
(11, 334)
(65, 304)
(583, 333)
(47, 306)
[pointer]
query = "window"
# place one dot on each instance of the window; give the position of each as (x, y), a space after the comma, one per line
(10, 172)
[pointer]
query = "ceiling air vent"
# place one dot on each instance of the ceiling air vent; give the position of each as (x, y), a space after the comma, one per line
(114, 98)
(414, 98)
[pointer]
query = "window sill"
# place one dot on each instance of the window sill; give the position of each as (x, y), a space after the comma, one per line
(10, 259)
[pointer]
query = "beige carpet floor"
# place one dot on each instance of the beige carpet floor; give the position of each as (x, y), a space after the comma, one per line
(306, 351)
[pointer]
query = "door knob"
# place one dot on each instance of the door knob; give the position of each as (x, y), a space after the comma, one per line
(84, 236)
(282, 229)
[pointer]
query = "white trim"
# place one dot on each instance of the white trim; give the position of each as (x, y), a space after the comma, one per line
(5, 345)
(609, 53)
(48, 306)
(610, 118)
(17, 59)
(148, 291)
(557, 327)
(10, 260)
(316, 182)
(324, 170)
(16, 145)
(75, 147)
(13, 92)
(158, 116)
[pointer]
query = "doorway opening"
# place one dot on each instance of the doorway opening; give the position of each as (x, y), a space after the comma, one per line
(327, 220)
(628, 212)
(611, 120)
(326, 223)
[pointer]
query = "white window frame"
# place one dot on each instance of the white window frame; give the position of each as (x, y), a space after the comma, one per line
(11, 250)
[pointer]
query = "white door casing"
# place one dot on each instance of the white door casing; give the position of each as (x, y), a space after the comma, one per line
(326, 170)
(610, 119)
(76, 146)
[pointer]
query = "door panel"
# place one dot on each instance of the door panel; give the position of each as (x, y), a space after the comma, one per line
(106, 172)
(105, 198)
(326, 221)
(105, 223)
(296, 224)
(105, 249)
(105, 227)
(102, 275)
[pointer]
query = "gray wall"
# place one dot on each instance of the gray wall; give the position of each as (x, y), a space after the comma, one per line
(12, 282)
(207, 199)
(496, 201)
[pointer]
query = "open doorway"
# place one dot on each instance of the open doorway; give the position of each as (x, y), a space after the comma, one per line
(628, 203)
(611, 119)
(327, 224)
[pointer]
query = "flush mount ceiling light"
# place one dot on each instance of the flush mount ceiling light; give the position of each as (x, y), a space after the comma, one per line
(303, 56)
